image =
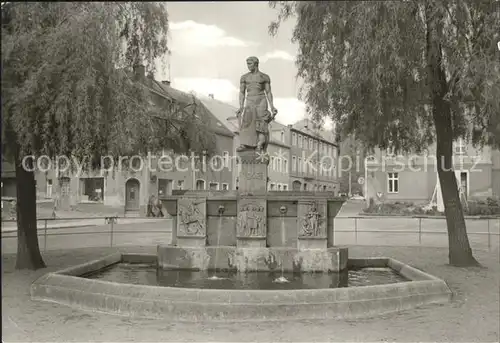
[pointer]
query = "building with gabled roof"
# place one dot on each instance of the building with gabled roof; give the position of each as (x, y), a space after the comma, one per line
(128, 190)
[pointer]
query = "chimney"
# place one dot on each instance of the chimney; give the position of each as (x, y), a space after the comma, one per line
(211, 96)
(166, 82)
(139, 71)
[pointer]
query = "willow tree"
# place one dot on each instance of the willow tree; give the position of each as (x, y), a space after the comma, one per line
(406, 74)
(67, 90)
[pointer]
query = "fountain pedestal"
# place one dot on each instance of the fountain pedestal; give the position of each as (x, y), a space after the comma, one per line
(253, 172)
(253, 229)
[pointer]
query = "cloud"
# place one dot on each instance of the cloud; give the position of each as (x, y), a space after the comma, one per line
(189, 35)
(278, 54)
(222, 89)
(328, 124)
(290, 110)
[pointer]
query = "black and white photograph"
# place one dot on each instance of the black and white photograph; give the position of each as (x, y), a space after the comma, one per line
(251, 171)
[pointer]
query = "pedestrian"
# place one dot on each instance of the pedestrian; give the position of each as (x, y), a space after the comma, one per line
(151, 203)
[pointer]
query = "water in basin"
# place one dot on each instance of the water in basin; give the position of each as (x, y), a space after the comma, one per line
(150, 275)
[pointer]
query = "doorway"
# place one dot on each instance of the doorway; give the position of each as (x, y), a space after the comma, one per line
(132, 192)
(463, 183)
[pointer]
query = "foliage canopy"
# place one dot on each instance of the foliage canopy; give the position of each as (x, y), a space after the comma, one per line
(364, 65)
(68, 87)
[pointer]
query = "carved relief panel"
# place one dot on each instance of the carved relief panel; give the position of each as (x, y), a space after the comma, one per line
(191, 217)
(312, 219)
(252, 218)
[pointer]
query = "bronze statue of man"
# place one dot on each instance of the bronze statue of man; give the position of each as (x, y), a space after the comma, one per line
(253, 115)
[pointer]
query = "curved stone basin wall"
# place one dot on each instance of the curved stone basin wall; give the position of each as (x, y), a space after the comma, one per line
(184, 304)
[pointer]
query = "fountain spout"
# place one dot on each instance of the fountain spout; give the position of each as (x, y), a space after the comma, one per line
(221, 210)
(282, 278)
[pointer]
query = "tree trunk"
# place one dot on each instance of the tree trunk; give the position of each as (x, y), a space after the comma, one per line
(28, 251)
(460, 252)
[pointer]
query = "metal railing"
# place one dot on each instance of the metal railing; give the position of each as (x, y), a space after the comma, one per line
(489, 223)
(111, 221)
(484, 227)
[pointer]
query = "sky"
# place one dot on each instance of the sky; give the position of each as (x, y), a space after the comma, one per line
(210, 42)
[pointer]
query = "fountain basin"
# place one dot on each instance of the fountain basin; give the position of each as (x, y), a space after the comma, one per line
(253, 259)
(67, 287)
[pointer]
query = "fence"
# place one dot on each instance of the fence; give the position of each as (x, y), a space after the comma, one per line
(68, 233)
(483, 232)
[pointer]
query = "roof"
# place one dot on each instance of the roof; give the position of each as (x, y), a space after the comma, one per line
(307, 127)
(222, 111)
(214, 123)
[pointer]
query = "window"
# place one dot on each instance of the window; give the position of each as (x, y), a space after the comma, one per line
(305, 186)
(214, 186)
(300, 141)
(285, 166)
(225, 187)
(294, 138)
(294, 163)
(460, 147)
(392, 183)
(282, 136)
(49, 189)
(273, 165)
(164, 187)
(324, 188)
(226, 158)
(92, 188)
(300, 165)
(271, 186)
(180, 184)
(279, 187)
(285, 187)
(200, 185)
(279, 164)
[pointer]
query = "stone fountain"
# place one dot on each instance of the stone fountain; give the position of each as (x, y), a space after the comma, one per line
(245, 231)
(252, 229)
